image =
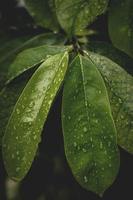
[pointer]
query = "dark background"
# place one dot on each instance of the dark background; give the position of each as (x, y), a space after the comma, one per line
(50, 177)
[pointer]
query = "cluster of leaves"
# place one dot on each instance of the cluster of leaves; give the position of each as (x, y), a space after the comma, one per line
(97, 98)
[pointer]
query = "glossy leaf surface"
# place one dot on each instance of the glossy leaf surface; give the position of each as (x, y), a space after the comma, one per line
(23, 132)
(121, 25)
(43, 12)
(89, 131)
(75, 15)
(13, 48)
(120, 90)
(31, 57)
(8, 98)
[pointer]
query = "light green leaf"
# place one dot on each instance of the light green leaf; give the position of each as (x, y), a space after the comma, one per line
(121, 25)
(89, 130)
(43, 12)
(75, 15)
(31, 57)
(8, 98)
(120, 90)
(23, 132)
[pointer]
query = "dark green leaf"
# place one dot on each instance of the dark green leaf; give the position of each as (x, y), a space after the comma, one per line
(43, 12)
(31, 57)
(23, 132)
(75, 15)
(7, 58)
(120, 90)
(89, 130)
(108, 50)
(8, 98)
(121, 25)
(9, 46)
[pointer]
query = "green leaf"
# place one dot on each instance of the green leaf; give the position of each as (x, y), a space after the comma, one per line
(5, 51)
(75, 15)
(89, 130)
(43, 12)
(121, 26)
(8, 98)
(10, 45)
(23, 132)
(120, 90)
(16, 46)
(108, 50)
(31, 57)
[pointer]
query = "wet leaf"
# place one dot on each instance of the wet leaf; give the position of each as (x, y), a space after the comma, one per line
(120, 90)
(23, 132)
(121, 26)
(5, 50)
(108, 50)
(89, 130)
(43, 12)
(75, 15)
(31, 57)
(8, 98)
(12, 48)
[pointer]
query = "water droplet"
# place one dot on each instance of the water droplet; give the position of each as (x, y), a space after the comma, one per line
(85, 179)
(110, 165)
(85, 129)
(84, 150)
(35, 137)
(109, 144)
(74, 97)
(75, 144)
(69, 117)
(17, 169)
(122, 117)
(16, 137)
(18, 111)
(101, 145)
(102, 168)
(120, 101)
(96, 121)
(99, 91)
(12, 155)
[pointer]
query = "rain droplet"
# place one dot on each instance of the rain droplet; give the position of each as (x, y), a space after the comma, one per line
(99, 91)
(69, 117)
(18, 111)
(85, 129)
(17, 169)
(75, 144)
(101, 145)
(85, 179)
(84, 150)
(35, 137)
(12, 155)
